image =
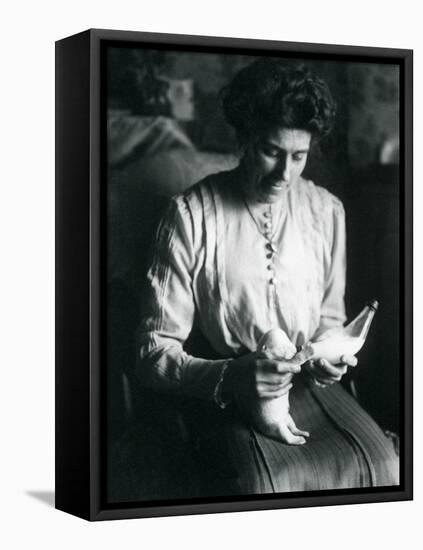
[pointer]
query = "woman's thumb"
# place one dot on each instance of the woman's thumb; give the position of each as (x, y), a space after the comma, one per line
(303, 355)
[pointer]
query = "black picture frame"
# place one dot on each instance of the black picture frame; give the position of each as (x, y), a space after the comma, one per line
(81, 250)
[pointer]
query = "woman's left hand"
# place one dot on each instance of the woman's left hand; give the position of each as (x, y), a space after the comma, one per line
(326, 374)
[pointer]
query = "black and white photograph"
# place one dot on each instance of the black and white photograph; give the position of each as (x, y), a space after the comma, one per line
(210, 238)
(254, 270)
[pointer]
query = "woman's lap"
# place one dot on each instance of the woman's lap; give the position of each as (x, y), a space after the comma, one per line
(346, 449)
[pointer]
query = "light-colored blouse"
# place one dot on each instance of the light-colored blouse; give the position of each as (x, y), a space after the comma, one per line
(211, 267)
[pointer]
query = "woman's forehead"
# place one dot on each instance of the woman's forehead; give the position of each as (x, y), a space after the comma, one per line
(288, 138)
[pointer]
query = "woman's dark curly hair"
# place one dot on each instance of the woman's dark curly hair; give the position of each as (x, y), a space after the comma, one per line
(270, 93)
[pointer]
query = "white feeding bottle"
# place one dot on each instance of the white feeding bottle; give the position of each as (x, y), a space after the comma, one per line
(346, 340)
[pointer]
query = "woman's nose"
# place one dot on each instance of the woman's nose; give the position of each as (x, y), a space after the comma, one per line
(284, 168)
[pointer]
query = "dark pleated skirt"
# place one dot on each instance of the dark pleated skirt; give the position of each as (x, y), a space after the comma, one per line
(197, 450)
(346, 449)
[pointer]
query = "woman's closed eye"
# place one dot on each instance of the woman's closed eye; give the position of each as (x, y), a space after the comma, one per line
(276, 153)
(298, 157)
(269, 151)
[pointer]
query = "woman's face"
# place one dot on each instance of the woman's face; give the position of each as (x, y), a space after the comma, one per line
(275, 162)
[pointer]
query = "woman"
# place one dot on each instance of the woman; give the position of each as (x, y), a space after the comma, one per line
(246, 251)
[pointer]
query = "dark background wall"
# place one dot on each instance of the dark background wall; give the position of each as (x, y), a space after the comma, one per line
(358, 162)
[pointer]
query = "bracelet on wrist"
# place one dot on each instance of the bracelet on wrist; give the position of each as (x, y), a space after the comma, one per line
(218, 397)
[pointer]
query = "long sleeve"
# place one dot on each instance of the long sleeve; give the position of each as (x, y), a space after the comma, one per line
(168, 310)
(333, 306)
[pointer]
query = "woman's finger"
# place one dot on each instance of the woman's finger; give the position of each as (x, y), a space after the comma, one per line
(274, 379)
(264, 354)
(329, 370)
(319, 383)
(302, 356)
(277, 367)
(350, 360)
(264, 392)
(323, 382)
(272, 388)
(287, 367)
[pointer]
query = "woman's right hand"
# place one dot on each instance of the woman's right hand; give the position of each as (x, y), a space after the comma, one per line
(261, 375)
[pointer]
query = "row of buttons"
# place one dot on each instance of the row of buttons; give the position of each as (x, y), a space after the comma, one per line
(270, 246)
